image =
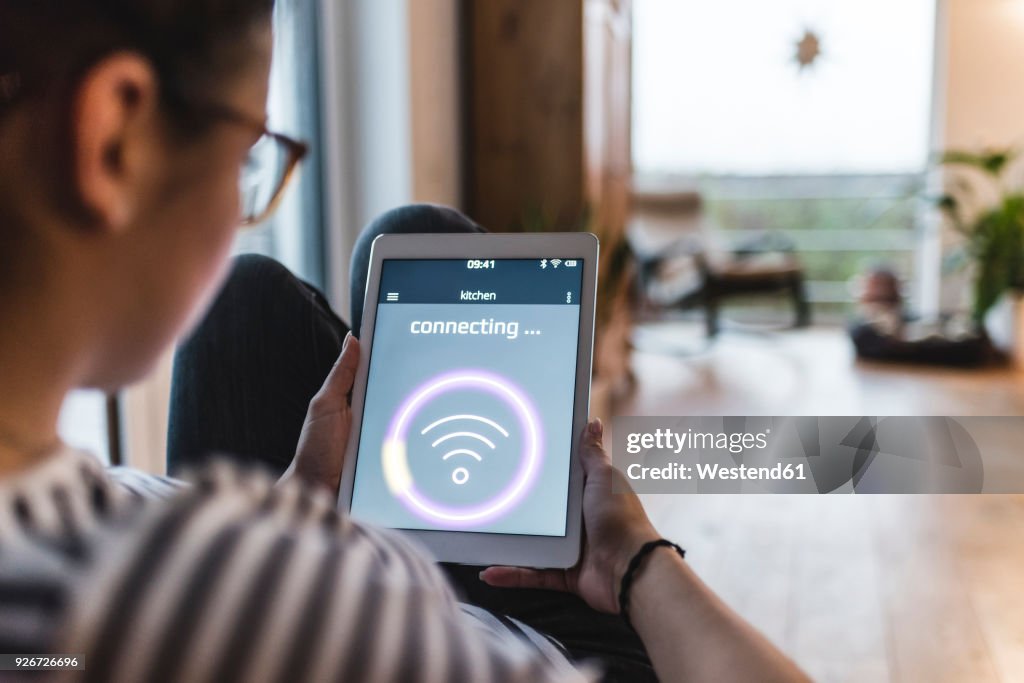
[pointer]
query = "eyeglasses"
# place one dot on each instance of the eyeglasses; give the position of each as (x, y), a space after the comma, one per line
(270, 165)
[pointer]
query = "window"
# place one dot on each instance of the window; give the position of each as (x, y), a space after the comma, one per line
(294, 235)
(832, 155)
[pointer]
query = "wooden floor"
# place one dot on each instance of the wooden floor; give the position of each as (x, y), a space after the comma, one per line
(855, 588)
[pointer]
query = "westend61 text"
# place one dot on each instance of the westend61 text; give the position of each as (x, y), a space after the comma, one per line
(715, 472)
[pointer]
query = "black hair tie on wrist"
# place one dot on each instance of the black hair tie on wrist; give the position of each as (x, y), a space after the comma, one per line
(634, 564)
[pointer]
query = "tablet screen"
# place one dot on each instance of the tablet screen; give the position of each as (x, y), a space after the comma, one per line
(467, 417)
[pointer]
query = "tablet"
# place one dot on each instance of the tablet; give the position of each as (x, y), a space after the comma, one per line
(472, 390)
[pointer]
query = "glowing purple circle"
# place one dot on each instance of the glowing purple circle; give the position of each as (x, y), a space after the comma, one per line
(512, 494)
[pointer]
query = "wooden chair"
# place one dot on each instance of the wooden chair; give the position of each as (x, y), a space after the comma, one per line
(764, 265)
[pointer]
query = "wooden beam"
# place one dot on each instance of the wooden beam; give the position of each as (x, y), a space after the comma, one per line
(524, 113)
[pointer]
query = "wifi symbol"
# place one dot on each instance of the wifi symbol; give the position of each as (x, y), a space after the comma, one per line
(461, 475)
(556, 262)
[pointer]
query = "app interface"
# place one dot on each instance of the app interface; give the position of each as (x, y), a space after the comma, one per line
(467, 420)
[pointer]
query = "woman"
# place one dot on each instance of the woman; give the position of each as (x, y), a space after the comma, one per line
(124, 125)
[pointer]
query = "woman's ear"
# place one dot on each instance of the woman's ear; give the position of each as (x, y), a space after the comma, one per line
(114, 132)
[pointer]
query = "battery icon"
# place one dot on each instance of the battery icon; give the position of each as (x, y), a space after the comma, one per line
(571, 263)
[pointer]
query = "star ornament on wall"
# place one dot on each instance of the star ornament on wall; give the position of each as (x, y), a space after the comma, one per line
(808, 49)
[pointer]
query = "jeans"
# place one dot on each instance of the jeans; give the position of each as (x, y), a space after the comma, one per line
(244, 378)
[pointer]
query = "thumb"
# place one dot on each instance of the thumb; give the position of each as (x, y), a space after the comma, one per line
(343, 375)
(592, 453)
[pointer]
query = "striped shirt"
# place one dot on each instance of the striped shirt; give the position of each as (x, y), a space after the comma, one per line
(233, 578)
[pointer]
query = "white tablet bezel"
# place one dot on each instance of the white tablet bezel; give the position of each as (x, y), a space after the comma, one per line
(476, 548)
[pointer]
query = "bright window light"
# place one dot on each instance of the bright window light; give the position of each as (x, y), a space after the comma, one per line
(717, 89)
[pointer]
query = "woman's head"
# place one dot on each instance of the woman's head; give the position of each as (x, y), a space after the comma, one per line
(123, 128)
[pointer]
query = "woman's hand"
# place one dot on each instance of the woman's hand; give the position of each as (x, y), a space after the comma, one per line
(614, 527)
(689, 633)
(321, 450)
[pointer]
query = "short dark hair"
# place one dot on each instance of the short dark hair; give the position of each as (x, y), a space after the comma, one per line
(46, 45)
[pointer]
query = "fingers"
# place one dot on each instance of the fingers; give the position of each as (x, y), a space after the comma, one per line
(521, 577)
(592, 452)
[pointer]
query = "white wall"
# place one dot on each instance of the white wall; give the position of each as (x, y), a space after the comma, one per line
(365, 120)
(144, 418)
(984, 81)
(979, 103)
(391, 95)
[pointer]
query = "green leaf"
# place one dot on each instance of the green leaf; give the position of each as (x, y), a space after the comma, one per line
(991, 161)
(946, 202)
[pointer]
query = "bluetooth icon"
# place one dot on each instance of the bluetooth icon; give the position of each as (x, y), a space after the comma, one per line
(544, 263)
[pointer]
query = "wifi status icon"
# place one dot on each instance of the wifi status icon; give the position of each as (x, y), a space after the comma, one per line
(465, 441)
(556, 262)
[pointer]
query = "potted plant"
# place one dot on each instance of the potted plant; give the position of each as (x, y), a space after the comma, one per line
(985, 204)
